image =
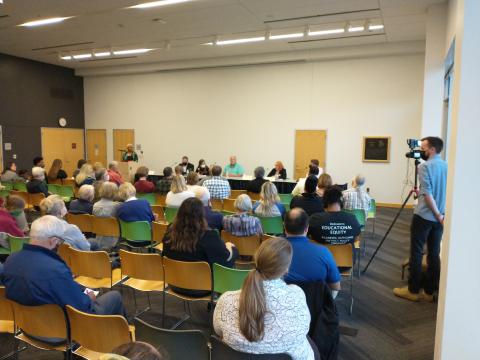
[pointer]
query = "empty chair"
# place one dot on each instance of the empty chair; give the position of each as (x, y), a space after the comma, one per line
(83, 221)
(137, 233)
(158, 232)
(221, 351)
(105, 226)
(246, 245)
(217, 204)
(229, 205)
(226, 279)
(170, 214)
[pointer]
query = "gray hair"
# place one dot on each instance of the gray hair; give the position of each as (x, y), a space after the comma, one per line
(243, 203)
(259, 172)
(53, 205)
(38, 173)
(112, 164)
(203, 195)
(359, 180)
(47, 227)
(86, 192)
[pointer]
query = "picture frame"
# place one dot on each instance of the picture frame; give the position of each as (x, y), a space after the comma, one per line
(376, 149)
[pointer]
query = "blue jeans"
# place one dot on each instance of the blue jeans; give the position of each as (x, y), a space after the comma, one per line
(109, 303)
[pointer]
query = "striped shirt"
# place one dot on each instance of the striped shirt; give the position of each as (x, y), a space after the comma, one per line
(242, 225)
(356, 198)
(218, 187)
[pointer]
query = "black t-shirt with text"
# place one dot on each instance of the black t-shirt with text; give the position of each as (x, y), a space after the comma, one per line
(334, 227)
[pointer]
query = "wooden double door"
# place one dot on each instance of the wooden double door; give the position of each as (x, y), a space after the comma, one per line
(309, 144)
(67, 145)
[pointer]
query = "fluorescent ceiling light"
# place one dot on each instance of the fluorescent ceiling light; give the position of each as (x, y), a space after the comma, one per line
(82, 56)
(356, 28)
(102, 54)
(326, 32)
(285, 36)
(240, 41)
(67, 57)
(375, 27)
(44, 21)
(131, 51)
(157, 3)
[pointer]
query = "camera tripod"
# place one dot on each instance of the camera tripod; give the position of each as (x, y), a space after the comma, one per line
(413, 191)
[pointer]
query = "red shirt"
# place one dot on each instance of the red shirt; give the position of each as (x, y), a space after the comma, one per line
(115, 177)
(144, 187)
(9, 225)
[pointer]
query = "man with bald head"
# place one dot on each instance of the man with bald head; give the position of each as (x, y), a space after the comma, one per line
(310, 262)
(233, 169)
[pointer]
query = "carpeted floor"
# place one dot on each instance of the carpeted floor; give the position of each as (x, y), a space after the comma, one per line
(381, 326)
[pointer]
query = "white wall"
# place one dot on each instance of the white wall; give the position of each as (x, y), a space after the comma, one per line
(253, 111)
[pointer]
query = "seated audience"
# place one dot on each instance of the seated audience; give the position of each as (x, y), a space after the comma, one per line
(101, 177)
(315, 163)
(165, 183)
(133, 209)
(186, 166)
(242, 223)
(278, 171)
(135, 350)
(8, 224)
(233, 169)
(202, 168)
(39, 267)
(56, 172)
(300, 187)
(80, 163)
(269, 204)
(142, 185)
(178, 170)
(192, 184)
(324, 182)
(309, 200)
(38, 184)
(38, 162)
(218, 187)
(71, 234)
(255, 185)
(15, 205)
(310, 262)
(97, 166)
(10, 173)
(178, 193)
(266, 316)
(333, 226)
(114, 174)
(214, 218)
(357, 197)
(84, 203)
(106, 207)
(86, 176)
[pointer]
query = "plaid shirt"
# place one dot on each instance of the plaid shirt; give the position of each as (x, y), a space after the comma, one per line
(242, 225)
(163, 185)
(218, 187)
(356, 199)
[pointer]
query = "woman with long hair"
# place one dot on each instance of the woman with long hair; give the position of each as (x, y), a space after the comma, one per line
(202, 168)
(56, 171)
(266, 316)
(86, 176)
(324, 182)
(178, 192)
(269, 204)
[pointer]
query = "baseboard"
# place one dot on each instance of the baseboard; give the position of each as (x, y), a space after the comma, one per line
(394, 205)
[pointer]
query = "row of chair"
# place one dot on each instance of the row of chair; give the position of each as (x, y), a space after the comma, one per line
(31, 200)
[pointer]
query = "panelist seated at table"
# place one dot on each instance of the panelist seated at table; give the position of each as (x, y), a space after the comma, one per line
(130, 154)
(278, 171)
(233, 169)
(202, 168)
(186, 166)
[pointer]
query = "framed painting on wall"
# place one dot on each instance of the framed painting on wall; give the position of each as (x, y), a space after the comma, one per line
(376, 149)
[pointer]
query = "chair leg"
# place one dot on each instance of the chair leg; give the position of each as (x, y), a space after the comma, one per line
(351, 295)
(185, 317)
(163, 306)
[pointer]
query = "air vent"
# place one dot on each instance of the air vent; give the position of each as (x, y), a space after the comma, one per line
(61, 93)
(63, 45)
(321, 15)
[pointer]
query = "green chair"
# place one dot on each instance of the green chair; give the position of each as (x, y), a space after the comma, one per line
(372, 214)
(66, 192)
(226, 213)
(16, 243)
(20, 186)
(7, 186)
(149, 197)
(4, 193)
(54, 189)
(170, 214)
(136, 233)
(226, 279)
(272, 225)
(361, 218)
(285, 198)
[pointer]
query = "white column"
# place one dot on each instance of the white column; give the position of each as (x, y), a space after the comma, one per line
(434, 70)
(458, 319)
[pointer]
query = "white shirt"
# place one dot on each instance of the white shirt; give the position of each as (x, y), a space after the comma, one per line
(286, 322)
(197, 190)
(175, 200)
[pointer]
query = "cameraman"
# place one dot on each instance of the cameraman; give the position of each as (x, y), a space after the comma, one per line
(427, 223)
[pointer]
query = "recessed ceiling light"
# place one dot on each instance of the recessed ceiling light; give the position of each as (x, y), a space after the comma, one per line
(131, 51)
(67, 57)
(44, 21)
(102, 54)
(240, 41)
(286, 36)
(151, 4)
(326, 32)
(375, 27)
(356, 28)
(82, 56)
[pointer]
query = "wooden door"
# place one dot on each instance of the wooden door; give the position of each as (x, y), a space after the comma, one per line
(65, 144)
(122, 137)
(309, 144)
(96, 140)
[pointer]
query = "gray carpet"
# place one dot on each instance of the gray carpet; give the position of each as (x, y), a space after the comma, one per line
(383, 327)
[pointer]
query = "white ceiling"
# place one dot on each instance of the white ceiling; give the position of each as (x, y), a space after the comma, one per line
(178, 31)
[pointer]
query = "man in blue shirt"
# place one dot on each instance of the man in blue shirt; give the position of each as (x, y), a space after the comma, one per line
(36, 275)
(310, 262)
(233, 169)
(427, 223)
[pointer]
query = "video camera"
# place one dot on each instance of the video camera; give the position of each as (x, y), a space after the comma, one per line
(414, 153)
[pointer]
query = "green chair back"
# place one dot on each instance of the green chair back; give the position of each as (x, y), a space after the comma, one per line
(66, 191)
(149, 197)
(170, 214)
(272, 225)
(16, 243)
(20, 186)
(4, 193)
(285, 198)
(359, 214)
(136, 230)
(225, 212)
(372, 212)
(7, 186)
(54, 189)
(226, 279)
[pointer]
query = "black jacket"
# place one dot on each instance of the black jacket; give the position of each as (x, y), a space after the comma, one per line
(190, 168)
(255, 185)
(283, 173)
(35, 186)
(311, 203)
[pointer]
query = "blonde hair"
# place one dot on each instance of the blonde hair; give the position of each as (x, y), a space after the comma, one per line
(178, 184)
(85, 171)
(272, 261)
(243, 203)
(126, 191)
(269, 194)
(86, 192)
(108, 190)
(52, 205)
(324, 181)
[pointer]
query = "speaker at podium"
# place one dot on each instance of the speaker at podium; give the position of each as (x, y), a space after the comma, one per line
(128, 169)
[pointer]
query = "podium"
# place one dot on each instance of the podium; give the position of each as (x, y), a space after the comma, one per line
(128, 170)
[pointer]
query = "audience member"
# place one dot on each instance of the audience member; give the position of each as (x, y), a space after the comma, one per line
(80, 163)
(8, 224)
(38, 162)
(310, 262)
(56, 171)
(165, 183)
(38, 267)
(278, 171)
(133, 209)
(71, 234)
(97, 166)
(315, 163)
(113, 173)
(84, 203)
(233, 169)
(266, 316)
(333, 226)
(300, 187)
(202, 168)
(178, 193)
(255, 185)
(357, 197)
(214, 218)
(269, 204)
(309, 200)
(15, 205)
(10, 173)
(324, 182)
(106, 207)
(86, 176)
(178, 170)
(192, 184)
(38, 184)
(242, 223)
(142, 185)
(101, 177)
(187, 167)
(135, 350)
(218, 187)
